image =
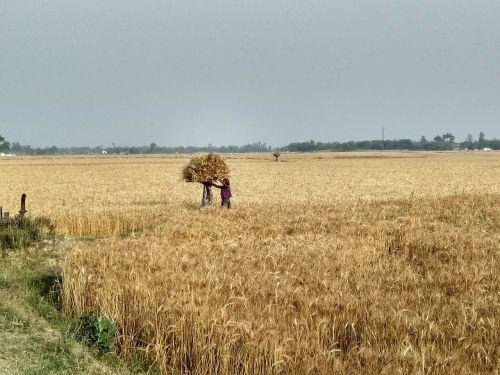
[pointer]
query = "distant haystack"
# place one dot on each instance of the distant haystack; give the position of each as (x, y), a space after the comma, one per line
(205, 168)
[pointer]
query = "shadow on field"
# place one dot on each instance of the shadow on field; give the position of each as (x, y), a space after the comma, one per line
(49, 286)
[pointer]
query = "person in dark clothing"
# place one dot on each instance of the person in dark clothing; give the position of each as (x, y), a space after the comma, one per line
(225, 192)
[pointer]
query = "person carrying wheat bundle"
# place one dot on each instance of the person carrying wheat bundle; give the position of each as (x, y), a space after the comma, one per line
(206, 169)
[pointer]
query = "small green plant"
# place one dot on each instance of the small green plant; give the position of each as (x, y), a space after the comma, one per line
(98, 332)
(17, 234)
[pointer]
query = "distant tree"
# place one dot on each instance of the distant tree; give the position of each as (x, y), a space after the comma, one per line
(348, 146)
(364, 145)
(4, 145)
(480, 141)
(377, 145)
(153, 147)
(403, 144)
(423, 140)
(438, 138)
(448, 137)
(469, 142)
(494, 144)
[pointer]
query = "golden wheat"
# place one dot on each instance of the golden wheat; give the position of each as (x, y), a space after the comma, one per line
(328, 263)
(205, 168)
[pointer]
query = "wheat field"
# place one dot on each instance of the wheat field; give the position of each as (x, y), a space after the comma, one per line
(334, 263)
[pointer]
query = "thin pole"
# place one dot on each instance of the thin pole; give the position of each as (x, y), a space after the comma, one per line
(22, 211)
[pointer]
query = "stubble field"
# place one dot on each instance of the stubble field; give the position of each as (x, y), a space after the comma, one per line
(327, 263)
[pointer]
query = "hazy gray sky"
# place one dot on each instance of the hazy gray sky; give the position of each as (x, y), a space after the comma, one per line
(231, 72)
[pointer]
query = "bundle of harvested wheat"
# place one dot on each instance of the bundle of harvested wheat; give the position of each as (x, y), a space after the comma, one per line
(205, 168)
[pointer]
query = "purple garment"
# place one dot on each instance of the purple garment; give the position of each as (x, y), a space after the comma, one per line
(225, 193)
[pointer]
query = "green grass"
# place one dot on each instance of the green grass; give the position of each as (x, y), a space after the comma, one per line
(35, 337)
(18, 234)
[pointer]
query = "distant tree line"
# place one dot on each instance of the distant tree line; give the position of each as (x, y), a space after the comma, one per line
(438, 143)
(153, 148)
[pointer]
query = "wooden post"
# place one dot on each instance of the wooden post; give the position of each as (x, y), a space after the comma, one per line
(22, 211)
(6, 216)
(1, 213)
